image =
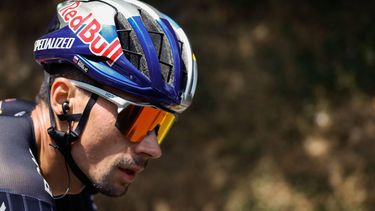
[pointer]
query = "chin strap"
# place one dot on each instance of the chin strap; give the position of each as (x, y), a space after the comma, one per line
(63, 140)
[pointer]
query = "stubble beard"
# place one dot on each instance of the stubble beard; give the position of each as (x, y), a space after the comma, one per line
(106, 189)
(105, 185)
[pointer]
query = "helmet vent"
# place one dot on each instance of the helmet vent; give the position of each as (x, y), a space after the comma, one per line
(130, 44)
(183, 66)
(161, 45)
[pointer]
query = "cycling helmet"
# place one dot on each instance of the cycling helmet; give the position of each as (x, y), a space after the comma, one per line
(125, 44)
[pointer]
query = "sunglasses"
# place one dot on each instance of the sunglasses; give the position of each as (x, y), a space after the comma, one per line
(135, 120)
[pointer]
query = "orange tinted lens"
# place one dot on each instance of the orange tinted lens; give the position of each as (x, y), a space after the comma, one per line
(166, 122)
(136, 121)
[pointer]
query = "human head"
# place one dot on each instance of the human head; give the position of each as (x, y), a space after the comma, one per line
(124, 45)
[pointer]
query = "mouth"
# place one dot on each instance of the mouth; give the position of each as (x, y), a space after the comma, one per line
(129, 174)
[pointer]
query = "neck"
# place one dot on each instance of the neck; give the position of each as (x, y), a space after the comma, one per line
(51, 161)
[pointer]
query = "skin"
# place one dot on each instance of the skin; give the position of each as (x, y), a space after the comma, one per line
(110, 160)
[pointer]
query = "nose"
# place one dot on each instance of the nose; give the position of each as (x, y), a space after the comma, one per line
(148, 147)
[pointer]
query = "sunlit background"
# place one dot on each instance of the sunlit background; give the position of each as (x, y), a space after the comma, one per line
(284, 114)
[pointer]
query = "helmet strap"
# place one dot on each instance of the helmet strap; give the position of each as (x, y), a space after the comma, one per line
(63, 140)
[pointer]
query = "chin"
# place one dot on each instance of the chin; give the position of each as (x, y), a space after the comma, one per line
(112, 191)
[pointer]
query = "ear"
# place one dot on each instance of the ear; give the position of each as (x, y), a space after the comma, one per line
(61, 90)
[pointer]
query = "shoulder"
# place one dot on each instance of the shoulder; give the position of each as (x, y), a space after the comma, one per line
(16, 107)
(20, 181)
(16, 126)
(19, 202)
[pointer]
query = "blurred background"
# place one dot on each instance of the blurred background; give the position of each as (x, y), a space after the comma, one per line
(284, 114)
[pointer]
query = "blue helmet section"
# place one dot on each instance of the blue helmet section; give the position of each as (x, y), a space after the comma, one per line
(88, 37)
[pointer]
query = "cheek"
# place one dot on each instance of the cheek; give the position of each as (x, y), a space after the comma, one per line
(100, 133)
(100, 141)
(101, 123)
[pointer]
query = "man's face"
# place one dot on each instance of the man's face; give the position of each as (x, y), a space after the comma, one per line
(110, 160)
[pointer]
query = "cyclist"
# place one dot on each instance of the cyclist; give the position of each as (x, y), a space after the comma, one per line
(117, 73)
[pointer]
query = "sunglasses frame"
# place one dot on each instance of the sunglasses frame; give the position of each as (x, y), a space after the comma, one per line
(120, 102)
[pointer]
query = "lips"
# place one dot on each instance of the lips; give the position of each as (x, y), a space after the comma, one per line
(129, 174)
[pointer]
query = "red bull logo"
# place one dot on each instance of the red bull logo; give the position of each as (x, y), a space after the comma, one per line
(89, 34)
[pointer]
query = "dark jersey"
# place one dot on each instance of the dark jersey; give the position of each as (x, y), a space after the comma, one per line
(22, 187)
